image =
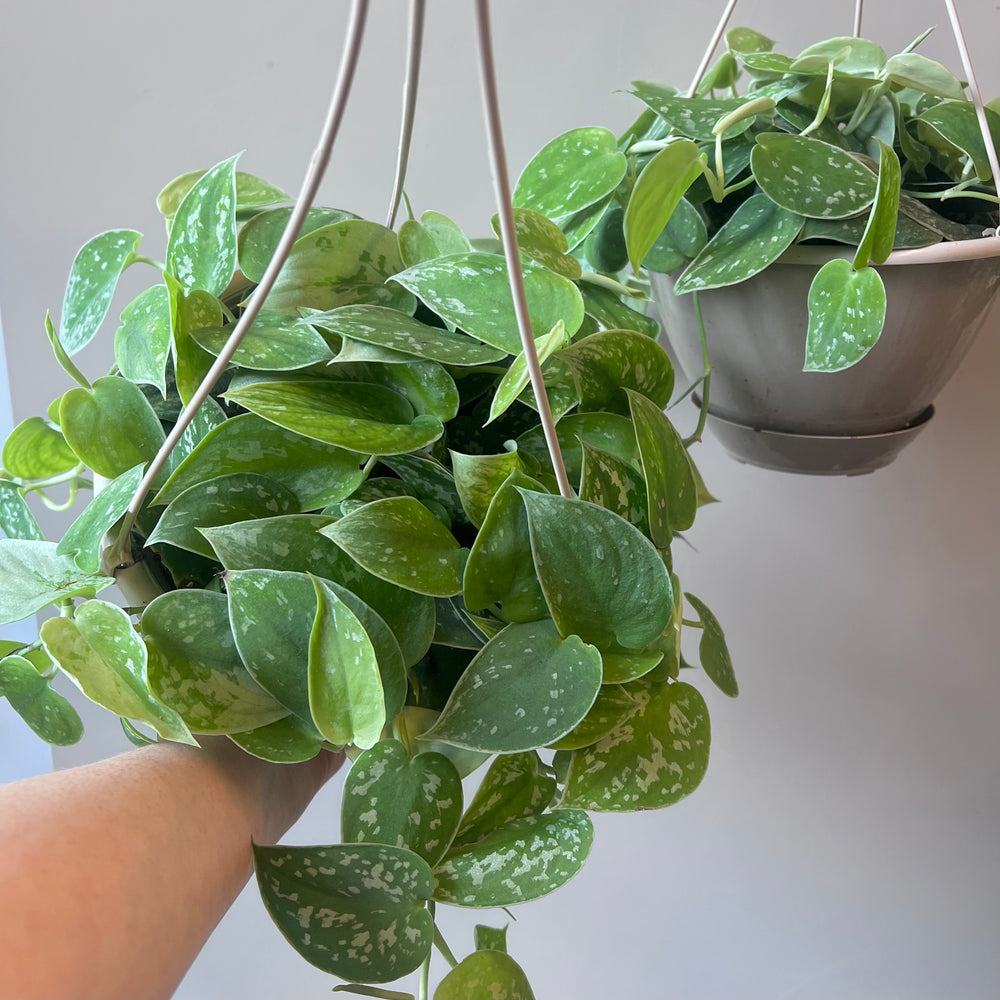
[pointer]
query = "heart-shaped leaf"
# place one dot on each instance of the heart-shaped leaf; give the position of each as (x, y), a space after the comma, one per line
(252, 193)
(714, 653)
(693, 117)
(92, 281)
(142, 342)
(524, 689)
(846, 313)
(287, 741)
(542, 241)
(275, 342)
(957, 123)
(49, 715)
(35, 449)
(412, 802)
(489, 974)
(16, 520)
(653, 758)
(909, 69)
(612, 706)
(353, 910)
(435, 235)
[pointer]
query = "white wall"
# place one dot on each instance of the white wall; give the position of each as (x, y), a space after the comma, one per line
(844, 841)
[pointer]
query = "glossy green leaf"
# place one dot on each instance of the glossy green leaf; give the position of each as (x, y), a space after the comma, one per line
(550, 849)
(714, 653)
(570, 173)
(755, 236)
(681, 239)
(603, 580)
(653, 758)
(142, 342)
(93, 279)
(194, 667)
(111, 427)
(100, 650)
(390, 328)
(363, 418)
(472, 291)
(428, 387)
(35, 449)
(478, 477)
(611, 313)
(338, 265)
(83, 538)
(693, 117)
(274, 342)
(610, 482)
(500, 569)
(854, 56)
(412, 802)
(428, 480)
(909, 69)
(516, 378)
(201, 251)
(747, 40)
(605, 248)
(260, 237)
(880, 233)
(345, 689)
(527, 687)
(957, 123)
(485, 975)
(48, 714)
(189, 312)
(721, 75)
(399, 540)
(252, 193)
(514, 788)
(846, 313)
(354, 910)
(542, 241)
(608, 431)
(287, 741)
(612, 705)
(16, 520)
(435, 235)
(660, 186)
(224, 500)
(316, 473)
(35, 576)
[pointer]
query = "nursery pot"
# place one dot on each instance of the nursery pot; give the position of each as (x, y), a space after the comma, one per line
(766, 411)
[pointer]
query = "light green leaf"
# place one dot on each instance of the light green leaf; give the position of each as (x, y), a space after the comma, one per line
(929, 77)
(524, 689)
(316, 473)
(16, 520)
(275, 342)
(478, 477)
(692, 117)
(35, 576)
(880, 233)
(542, 241)
(345, 689)
(252, 193)
(626, 665)
(412, 802)
(101, 652)
(48, 714)
(355, 910)
(287, 741)
(142, 342)
(611, 313)
(756, 235)
(189, 312)
(516, 377)
(201, 251)
(714, 653)
(485, 975)
(853, 56)
(83, 538)
(92, 281)
(611, 707)
(435, 235)
(399, 540)
(846, 313)
(37, 450)
(472, 291)
(956, 122)
(491, 938)
(571, 173)
(480, 874)
(111, 427)
(653, 758)
(743, 40)
(412, 722)
(602, 578)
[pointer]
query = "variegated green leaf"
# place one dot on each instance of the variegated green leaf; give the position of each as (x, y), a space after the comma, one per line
(201, 251)
(83, 538)
(608, 431)
(550, 849)
(478, 477)
(35, 449)
(353, 910)
(428, 480)
(48, 714)
(681, 239)
(92, 281)
(252, 193)
(275, 342)
(542, 241)
(623, 665)
(755, 236)
(601, 577)
(693, 117)
(516, 377)
(35, 576)
(316, 473)
(485, 975)
(651, 759)
(435, 235)
(400, 540)
(345, 689)
(224, 500)
(880, 232)
(846, 313)
(612, 705)
(412, 802)
(491, 938)
(714, 653)
(472, 291)
(101, 652)
(194, 667)
(608, 481)
(188, 312)
(571, 173)
(525, 688)
(957, 122)
(142, 342)
(609, 312)
(287, 741)
(16, 520)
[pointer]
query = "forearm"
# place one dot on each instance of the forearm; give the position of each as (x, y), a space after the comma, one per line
(114, 874)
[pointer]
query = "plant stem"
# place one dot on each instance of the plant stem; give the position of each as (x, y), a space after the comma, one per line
(706, 376)
(423, 985)
(139, 259)
(692, 624)
(442, 946)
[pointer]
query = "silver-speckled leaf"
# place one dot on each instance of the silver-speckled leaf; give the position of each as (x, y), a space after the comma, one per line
(609, 482)
(252, 193)
(16, 520)
(652, 759)
(957, 123)
(693, 117)
(542, 241)
(525, 688)
(609, 431)
(491, 974)
(516, 378)
(49, 715)
(714, 653)
(412, 802)
(287, 741)
(548, 849)
(275, 342)
(612, 705)
(478, 477)
(880, 232)
(142, 342)
(353, 910)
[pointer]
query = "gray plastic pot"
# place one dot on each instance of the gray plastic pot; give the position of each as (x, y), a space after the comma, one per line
(766, 411)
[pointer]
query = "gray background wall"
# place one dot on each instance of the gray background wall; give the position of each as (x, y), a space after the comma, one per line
(844, 843)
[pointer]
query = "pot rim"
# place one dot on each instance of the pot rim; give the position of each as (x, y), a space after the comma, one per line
(938, 253)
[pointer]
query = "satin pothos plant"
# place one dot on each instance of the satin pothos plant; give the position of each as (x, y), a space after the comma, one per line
(359, 543)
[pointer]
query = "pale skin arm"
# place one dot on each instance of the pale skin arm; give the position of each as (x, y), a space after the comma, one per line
(113, 875)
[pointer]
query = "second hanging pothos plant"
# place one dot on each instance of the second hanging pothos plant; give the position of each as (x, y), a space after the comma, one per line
(359, 542)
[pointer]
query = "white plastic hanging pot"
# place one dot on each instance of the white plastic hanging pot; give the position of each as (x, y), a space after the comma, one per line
(767, 411)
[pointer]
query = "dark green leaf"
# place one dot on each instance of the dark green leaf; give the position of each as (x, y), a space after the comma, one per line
(142, 342)
(715, 658)
(49, 715)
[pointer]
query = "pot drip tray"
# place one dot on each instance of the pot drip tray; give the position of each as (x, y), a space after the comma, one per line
(814, 454)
